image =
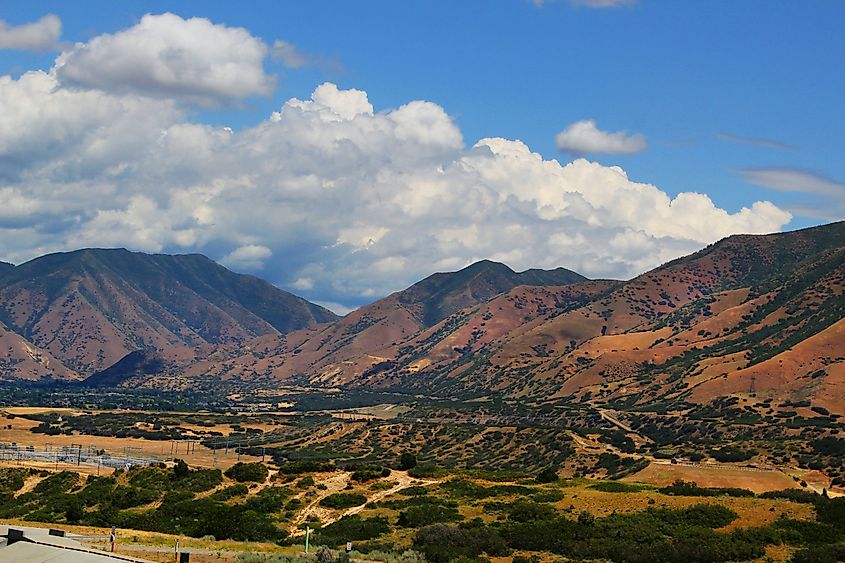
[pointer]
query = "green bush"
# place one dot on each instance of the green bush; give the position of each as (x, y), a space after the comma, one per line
(689, 489)
(524, 511)
(248, 472)
(343, 500)
(821, 554)
(728, 454)
(426, 470)
(617, 487)
(368, 472)
(56, 483)
(407, 461)
(305, 482)
(414, 491)
(425, 515)
(12, 479)
(305, 466)
(547, 475)
(230, 492)
(441, 544)
(268, 501)
(351, 528)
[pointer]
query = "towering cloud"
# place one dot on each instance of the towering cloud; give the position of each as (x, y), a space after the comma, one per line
(326, 196)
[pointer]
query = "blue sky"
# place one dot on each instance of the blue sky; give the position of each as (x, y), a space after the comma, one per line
(741, 100)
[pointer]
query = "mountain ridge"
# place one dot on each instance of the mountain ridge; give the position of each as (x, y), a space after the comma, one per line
(91, 307)
(749, 313)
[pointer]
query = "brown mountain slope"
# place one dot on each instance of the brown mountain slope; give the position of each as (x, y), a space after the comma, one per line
(20, 359)
(90, 308)
(749, 314)
(345, 350)
(734, 305)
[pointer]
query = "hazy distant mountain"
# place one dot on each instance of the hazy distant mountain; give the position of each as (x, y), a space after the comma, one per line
(5, 267)
(89, 308)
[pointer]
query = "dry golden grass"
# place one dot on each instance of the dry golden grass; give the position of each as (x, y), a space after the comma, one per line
(757, 481)
(752, 511)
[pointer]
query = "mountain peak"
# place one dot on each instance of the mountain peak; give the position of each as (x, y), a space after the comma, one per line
(104, 303)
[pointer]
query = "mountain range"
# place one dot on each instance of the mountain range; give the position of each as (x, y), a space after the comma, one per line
(751, 314)
(90, 308)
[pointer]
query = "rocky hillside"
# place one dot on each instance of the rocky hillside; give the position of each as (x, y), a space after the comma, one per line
(377, 333)
(750, 314)
(91, 307)
(760, 316)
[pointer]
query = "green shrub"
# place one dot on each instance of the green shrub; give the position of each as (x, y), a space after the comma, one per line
(367, 472)
(728, 454)
(343, 500)
(689, 489)
(230, 492)
(305, 482)
(12, 479)
(268, 501)
(425, 515)
(351, 528)
(440, 543)
(306, 466)
(617, 487)
(525, 511)
(56, 483)
(547, 475)
(407, 461)
(248, 472)
(426, 470)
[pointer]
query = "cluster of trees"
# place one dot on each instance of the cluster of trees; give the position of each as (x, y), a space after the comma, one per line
(682, 535)
(683, 488)
(106, 501)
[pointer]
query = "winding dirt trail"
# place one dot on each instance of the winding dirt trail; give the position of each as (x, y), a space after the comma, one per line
(336, 483)
(403, 481)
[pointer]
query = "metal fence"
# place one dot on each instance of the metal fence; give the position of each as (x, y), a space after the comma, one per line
(75, 454)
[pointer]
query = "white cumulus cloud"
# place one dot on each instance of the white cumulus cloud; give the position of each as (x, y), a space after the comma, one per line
(583, 137)
(327, 196)
(42, 35)
(168, 56)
